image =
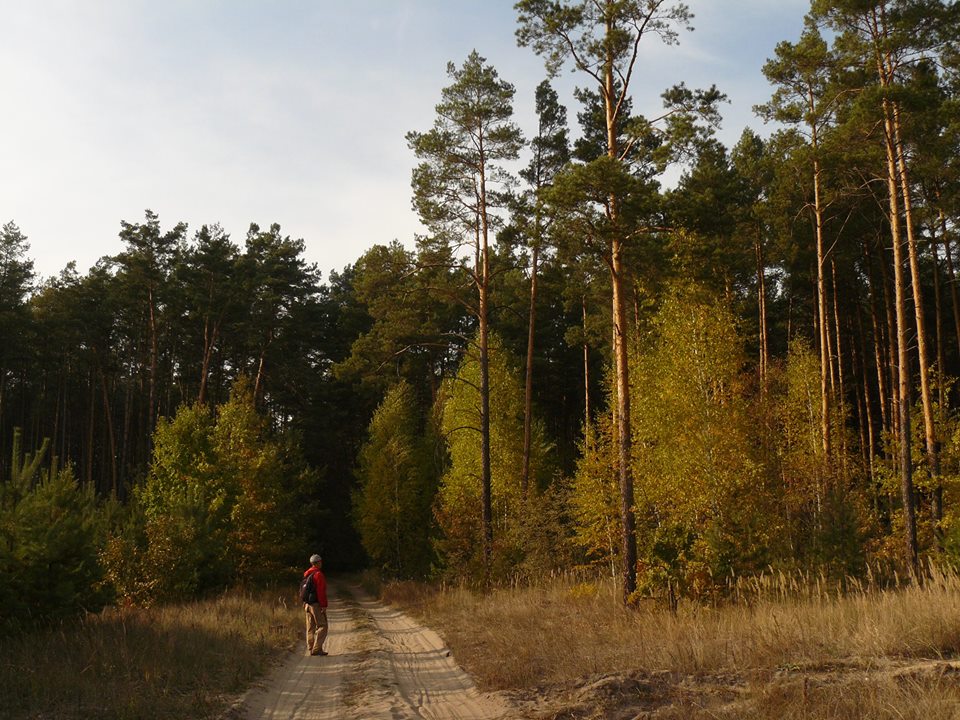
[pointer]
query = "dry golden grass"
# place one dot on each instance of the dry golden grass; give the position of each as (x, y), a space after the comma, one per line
(785, 653)
(177, 661)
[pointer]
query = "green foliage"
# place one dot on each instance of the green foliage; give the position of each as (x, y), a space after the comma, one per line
(412, 301)
(16, 281)
(268, 480)
(730, 466)
(688, 385)
(550, 147)
(712, 250)
(822, 516)
(123, 555)
(472, 136)
(398, 472)
(595, 494)
(589, 34)
(51, 531)
(183, 462)
(24, 467)
(800, 417)
(185, 505)
(220, 506)
(948, 428)
(458, 506)
(694, 458)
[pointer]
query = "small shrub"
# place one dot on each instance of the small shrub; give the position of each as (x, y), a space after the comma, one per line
(51, 533)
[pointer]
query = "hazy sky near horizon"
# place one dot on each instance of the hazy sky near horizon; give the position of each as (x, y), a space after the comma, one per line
(287, 111)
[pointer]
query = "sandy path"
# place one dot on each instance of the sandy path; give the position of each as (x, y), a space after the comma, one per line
(382, 664)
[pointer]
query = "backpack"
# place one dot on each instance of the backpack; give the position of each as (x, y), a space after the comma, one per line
(308, 590)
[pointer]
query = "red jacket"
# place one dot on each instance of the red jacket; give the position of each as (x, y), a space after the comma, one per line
(320, 583)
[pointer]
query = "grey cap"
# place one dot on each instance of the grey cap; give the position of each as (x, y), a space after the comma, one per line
(315, 559)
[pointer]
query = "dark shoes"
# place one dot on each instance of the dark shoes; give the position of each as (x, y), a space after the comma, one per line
(320, 652)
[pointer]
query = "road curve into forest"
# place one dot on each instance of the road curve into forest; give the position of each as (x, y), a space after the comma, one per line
(382, 664)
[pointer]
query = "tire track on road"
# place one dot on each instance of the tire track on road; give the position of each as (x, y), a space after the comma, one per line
(309, 687)
(416, 668)
(382, 665)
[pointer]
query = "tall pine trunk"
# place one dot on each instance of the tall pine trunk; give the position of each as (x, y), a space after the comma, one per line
(91, 423)
(893, 351)
(210, 336)
(587, 432)
(825, 374)
(111, 436)
(152, 382)
(484, 288)
(628, 538)
(903, 358)
(926, 393)
(762, 311)
(528, 380)
(941, 391)
(260, 380)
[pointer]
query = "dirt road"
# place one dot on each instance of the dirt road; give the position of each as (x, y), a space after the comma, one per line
(382, 664)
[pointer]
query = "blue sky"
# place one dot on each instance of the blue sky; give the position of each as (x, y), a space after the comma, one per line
(287, 111)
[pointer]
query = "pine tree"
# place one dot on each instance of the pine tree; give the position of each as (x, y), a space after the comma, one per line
(457, 187)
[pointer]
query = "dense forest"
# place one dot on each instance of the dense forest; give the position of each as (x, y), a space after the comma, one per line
(578, 365)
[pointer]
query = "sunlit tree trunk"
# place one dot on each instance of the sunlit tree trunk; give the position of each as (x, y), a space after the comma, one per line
(938, 316)
(484, 289)
(923, 352)
(821, 295)
(612, 30)
(618, 281)
(903, 358)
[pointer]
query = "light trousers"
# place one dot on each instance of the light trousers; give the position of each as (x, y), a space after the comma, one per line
(317, 626)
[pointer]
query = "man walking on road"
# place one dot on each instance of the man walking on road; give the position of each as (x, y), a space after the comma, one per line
(315, 606)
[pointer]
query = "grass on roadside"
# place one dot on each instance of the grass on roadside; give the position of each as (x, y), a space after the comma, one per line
(175, 661)
(559, 632)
